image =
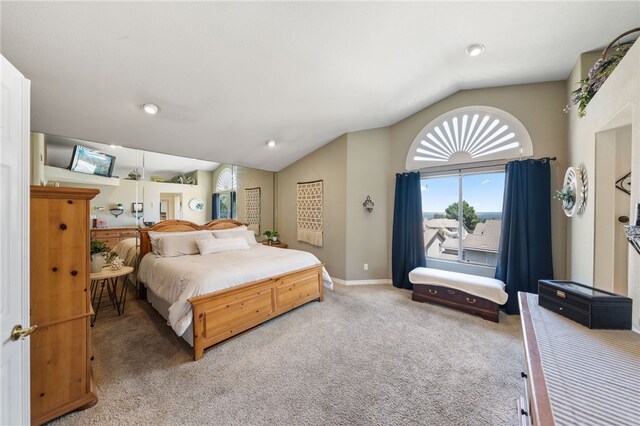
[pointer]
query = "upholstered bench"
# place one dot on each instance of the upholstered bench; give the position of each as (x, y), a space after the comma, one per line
(471, 293)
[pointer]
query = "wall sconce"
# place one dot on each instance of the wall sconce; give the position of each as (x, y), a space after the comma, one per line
(137, 210)
(117, 210)
(368, 204)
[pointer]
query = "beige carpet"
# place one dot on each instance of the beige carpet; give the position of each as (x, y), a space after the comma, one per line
(366, 355)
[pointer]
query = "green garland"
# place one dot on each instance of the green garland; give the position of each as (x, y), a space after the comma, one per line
(596, 77)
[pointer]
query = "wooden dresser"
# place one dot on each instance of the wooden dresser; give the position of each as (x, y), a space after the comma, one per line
(112, 236)
(61, 378)
(574, 375)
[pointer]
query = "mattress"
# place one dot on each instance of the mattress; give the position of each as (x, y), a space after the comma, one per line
(177, 279)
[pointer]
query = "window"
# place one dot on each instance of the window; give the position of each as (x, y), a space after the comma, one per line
(470, 234)
(466, 135)
(226, 190)
(227, 205)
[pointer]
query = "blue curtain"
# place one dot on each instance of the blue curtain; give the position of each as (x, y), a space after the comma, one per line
(233, 207)
(407, 250)
(215, 211)
(524, 256)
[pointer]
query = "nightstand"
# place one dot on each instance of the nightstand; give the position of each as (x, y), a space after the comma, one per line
(109, 277)
(279, 245)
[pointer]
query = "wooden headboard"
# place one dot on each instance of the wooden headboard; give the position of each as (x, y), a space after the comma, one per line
(182, 226)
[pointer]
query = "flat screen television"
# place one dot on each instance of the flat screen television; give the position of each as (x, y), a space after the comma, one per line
(90, 161)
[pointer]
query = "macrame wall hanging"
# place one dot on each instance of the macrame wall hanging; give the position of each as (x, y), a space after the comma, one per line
(309, 212)
(252, 209)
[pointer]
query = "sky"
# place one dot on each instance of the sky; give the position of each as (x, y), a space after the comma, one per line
(484, 191)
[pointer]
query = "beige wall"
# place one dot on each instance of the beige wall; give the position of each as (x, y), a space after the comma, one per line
(617, 104)
(539, 108)
(329, 164)
(367, 235)
(254, 178)
(364, 163)
(247, 177)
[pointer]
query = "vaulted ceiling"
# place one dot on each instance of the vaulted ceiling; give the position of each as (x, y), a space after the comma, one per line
(230, 76)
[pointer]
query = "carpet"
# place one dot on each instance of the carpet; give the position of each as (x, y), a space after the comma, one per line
(367, 355)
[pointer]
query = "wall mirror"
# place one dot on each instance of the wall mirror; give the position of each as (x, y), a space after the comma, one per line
(150, 187)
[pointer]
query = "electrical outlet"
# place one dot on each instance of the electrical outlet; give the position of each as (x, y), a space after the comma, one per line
(366, 266)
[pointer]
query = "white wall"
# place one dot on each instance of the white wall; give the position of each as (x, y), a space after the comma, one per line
(613, 160)
(617, 104)
(130, 191)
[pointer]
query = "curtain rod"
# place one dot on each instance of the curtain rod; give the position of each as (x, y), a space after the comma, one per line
(488, 167)
(543, 159)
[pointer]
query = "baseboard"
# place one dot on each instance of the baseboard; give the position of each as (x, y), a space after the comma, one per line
(383, 281)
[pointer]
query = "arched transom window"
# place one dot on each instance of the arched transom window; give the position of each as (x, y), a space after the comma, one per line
(226, 181)
(469, 135)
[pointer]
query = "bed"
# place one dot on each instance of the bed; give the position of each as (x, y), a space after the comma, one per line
(207, 299)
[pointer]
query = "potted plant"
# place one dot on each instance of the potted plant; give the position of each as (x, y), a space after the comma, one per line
(567, 197)
(272, 237)
(98, 248)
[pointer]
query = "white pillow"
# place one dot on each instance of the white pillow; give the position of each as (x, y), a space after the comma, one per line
(154, 236)
(249, 236)
(180, 245)
(234, 229)
(219, 245)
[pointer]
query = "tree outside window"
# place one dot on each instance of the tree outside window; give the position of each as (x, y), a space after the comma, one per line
(472, 237)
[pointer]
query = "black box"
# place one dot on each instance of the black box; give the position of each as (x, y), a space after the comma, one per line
(586, 305)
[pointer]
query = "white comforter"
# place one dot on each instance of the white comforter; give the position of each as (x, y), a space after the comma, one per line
(127, 250)
(176, 279)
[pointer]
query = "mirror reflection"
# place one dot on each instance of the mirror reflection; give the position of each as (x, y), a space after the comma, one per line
(141, 188)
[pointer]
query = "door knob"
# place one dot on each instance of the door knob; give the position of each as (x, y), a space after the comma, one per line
(19, 333)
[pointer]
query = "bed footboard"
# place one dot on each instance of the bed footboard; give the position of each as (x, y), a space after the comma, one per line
(224, 314)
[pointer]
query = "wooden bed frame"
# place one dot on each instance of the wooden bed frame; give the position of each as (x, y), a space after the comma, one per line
(224, 314)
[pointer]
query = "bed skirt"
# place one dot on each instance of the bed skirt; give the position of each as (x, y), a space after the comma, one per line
(162, 306)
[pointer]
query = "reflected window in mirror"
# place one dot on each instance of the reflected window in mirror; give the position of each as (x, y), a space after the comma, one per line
(224, 200)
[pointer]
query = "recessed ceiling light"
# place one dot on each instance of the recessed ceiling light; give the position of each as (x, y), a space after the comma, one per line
(271, 143)
(150, 108)
(474, 49)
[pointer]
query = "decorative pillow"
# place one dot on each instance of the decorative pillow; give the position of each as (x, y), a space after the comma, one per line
(249, 236)
(154, 236)
(219, 245)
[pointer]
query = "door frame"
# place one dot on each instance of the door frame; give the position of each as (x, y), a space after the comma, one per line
(20, 409)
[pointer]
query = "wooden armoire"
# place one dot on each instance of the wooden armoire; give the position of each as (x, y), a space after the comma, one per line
(61, 379)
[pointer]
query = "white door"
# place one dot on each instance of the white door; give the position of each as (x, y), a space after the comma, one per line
(14, 245)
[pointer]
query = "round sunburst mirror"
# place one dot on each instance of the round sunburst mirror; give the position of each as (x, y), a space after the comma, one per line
(576, 179)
